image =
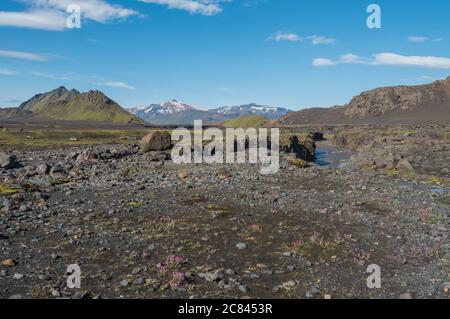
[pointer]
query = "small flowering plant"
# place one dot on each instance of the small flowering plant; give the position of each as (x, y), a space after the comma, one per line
(170, 272)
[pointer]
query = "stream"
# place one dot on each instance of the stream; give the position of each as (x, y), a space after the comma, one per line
(328, 155)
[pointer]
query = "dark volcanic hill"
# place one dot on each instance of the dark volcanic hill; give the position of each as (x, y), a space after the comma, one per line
(71, 105)
(400, 104)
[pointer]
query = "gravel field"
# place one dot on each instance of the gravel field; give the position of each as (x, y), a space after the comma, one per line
(140, 226)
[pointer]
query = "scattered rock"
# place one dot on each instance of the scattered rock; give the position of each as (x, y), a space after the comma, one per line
(183, 174)
(446, 287)
(242, 289)
(9, 263)
(223, 173)
(406, 295)
(87, 156)
(289, 284)
(404, 164)
(312, 292)
(7, 161)
(274, 215)
(57, 171)
(55, 293)
(230, 272)
(43, 169)
(212, 276)
(18, 276)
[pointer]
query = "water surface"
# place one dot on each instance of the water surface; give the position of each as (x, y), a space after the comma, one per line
(331, 156)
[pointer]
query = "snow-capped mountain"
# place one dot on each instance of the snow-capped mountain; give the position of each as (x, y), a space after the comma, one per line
(176, 113)
(269, 112)
(167, 108)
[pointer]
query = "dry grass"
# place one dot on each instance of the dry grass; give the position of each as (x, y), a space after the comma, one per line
(46, 138)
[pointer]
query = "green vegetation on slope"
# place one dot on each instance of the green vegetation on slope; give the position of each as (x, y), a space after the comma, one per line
(76, 111)
(62, 104)
(246, 121)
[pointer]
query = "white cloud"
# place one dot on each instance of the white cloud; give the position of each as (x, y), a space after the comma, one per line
(419, 39)
(389, 59)
(294, 37)
(7, 72)
(316, 40)
(204, 7)
(120, 85)
(96, 10)
(51, 14)
(49, 76)
(23, 55)
(323, 62)
(423, 78)
(420, 61)
(343, 59)
(284, 36)
(34, 19)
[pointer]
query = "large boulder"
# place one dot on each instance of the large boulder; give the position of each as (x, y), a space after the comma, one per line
(156, 141)
(58, 170)
(304, 149)
(7, 161)
(87, 156)
(405, 165)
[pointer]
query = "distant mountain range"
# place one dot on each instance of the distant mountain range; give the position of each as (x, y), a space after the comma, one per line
(94, 106)
(71, 105)
(179, 113)
(399, 104)
(428, 103)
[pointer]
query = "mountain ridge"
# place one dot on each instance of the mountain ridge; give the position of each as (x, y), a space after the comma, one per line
(394, 104)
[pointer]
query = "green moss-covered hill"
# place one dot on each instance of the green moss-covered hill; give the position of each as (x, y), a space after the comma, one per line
(246, 121)
(62, 104)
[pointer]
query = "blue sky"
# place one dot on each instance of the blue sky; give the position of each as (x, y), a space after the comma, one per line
(286, 53)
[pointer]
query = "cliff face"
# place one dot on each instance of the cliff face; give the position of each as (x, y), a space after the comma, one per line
(408, 104)
(401, 98)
